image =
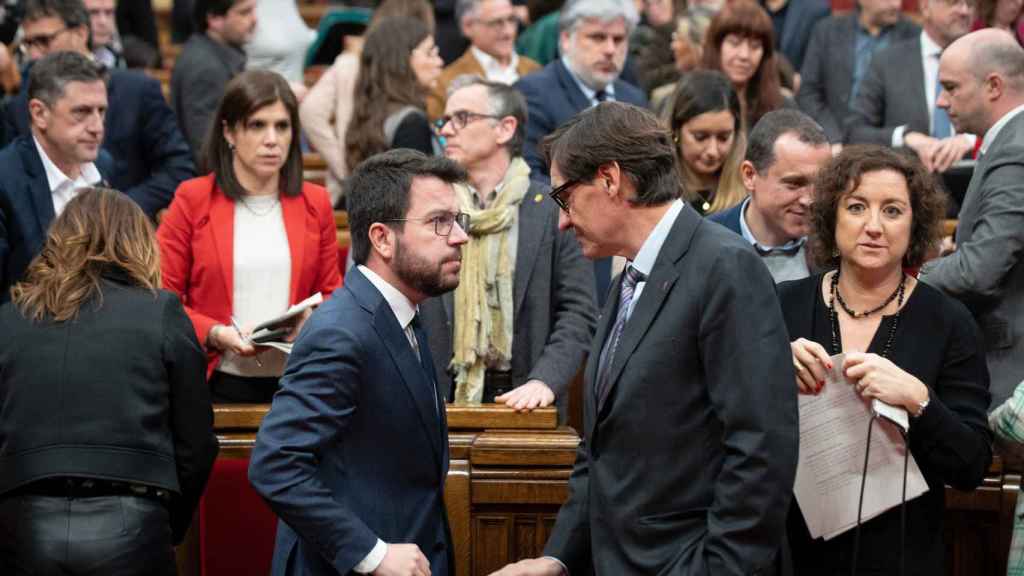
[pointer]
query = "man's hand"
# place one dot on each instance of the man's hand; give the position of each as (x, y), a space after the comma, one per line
(948, 151)
(533, 394)
(403, 560)
(532, 567)
(923, 145)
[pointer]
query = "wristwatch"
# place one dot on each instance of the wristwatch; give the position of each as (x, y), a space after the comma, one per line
(921, 407)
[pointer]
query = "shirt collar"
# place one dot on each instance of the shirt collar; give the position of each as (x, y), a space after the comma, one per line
(488, 62)
(55, 178)
(761, 248)
(589, 92)
(928, 46)
(400, 305)
(992, 132)
(649, 250)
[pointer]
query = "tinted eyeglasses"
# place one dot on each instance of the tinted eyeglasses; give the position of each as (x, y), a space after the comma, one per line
(460, 119)
(443, 223)
(560, 194)
(40, 41)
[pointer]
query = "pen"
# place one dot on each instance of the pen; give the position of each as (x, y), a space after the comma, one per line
(234, 324)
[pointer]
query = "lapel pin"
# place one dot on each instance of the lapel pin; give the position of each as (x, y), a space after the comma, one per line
(664, 286)
(538, 198)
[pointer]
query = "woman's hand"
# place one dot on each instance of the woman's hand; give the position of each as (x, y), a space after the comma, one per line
(226, 338)
(811, 362)
(877, 377)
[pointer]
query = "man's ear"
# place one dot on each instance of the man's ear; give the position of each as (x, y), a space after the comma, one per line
(383, 240)
(610, 177)
(39, 113)
(81, 33)
(506, 129)
(993, 87)
(747, 174)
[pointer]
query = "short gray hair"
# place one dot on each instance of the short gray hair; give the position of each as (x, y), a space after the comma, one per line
(604, 10)
(502, 100)
(464, 8)
(53, 72)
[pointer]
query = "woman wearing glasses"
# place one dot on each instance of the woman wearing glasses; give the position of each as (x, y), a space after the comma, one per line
(397, 68)
(243, 243)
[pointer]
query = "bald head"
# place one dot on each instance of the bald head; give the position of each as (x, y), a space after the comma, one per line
(982, 76)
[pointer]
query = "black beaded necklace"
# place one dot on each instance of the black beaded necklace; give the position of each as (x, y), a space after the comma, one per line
(834, 317)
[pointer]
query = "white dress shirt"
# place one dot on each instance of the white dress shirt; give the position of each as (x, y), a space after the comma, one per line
(493, 69)
(649, 250)
(63, 188)
(996, 128)
(589, 92)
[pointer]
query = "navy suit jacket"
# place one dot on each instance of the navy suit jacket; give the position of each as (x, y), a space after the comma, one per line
(26, 209)
(552, 97)
(801, 16)
(729, 218)
(354, 447)
(150, 156)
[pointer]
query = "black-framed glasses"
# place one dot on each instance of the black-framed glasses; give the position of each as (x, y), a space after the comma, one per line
(443, 223)
(40, 41)
(560, 194)
(460, 119)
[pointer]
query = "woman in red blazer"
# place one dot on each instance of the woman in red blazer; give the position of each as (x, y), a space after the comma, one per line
(243, 243)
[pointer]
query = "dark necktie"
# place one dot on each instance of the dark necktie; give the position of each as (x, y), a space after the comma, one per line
(423, 351)
(790, 249)
(630, 278)
(601, 96)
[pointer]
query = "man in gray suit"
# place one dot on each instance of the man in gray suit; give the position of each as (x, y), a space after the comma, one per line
(527, 283)
(982, 77)
(895, 104)
(690, 433)
(838, 56)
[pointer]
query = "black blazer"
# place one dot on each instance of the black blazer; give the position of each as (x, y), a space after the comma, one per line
(119, 393)
(938, 342)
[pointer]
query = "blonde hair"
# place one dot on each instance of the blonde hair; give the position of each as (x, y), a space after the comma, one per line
(99, 230)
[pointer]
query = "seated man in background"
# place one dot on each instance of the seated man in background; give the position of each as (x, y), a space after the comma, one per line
(106, 42)
(147, 156)
(43, 170)
(491, 27)
(785, 151)
(524, 350)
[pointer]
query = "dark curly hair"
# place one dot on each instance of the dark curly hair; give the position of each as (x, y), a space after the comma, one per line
(842, 176)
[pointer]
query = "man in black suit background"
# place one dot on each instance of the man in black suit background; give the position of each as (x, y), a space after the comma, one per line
(690, 433)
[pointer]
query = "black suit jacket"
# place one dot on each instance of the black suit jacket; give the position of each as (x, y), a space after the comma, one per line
(118, 393)
(150, 156)
(26, 210)
(554, 326)
(687, 466)
(826, 77)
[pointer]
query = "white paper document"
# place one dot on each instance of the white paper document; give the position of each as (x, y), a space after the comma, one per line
(833, 436)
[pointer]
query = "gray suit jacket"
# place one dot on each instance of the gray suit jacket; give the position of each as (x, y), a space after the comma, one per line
(554, 310)
(687, 466)
(201, 72)
(890, 95)
(986, 271)
(827, 74)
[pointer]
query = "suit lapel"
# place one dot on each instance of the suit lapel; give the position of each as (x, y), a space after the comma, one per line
(604, 326)
(917, 89)
(38, 187)
(531, 234)
(577, 99)
(222, 230)
(293, 209)
(846, 49)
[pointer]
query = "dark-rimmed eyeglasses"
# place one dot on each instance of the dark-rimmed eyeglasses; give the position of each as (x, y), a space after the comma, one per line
(443, 223)
(40, 41)
(560, 194)
(460, 119)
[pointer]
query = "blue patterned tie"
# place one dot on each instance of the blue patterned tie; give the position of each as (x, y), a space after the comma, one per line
(630, 278)
(941, 127)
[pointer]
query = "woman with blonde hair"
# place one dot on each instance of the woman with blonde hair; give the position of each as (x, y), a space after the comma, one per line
(107, 435)
(706, 122)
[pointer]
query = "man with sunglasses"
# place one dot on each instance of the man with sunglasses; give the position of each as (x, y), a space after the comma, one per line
(142, 143)
(491, 27)
(353, 454)
(690, 431)
(527, 281)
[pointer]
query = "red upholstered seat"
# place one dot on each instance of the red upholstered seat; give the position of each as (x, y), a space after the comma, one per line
(236, 528)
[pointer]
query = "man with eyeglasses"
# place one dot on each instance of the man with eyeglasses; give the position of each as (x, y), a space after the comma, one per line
(353, 454)
(527, 282)
(142, 144)
(896, 102)
(690, 431)
(491, 27)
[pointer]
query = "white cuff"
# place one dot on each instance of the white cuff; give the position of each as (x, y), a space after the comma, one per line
(565, 571)
(897, 136)
(373, 559)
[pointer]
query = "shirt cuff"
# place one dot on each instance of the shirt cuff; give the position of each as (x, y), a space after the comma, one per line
(897, 136)
(373, 559)
(565, 571)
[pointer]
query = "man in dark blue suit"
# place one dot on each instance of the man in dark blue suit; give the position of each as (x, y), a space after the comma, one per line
(41, 172)
(148, 155)
(353, 454)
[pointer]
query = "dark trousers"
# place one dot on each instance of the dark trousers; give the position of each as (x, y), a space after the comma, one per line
(230, 389)
(54, 535)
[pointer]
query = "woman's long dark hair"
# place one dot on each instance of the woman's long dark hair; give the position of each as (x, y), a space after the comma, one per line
(385, 84)
(98, 231)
